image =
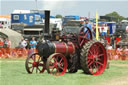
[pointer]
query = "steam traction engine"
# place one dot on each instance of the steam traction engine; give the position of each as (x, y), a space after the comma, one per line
(74, 51)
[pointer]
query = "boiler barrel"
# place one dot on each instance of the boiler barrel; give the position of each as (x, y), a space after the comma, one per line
(64, 48)
(47, 49)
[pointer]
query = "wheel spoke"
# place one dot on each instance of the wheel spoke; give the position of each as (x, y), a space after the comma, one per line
(41, 64)
(57, 71)
(90, 63)
(82, 42)
(52, 66)
(38, 69)
(39, 59)
(100, 55)
(50, 62)
(30, 62)
(61, 68)
(61, 60)
(97, 67)
(95, 51)
(32, 69)
(33, 58)
(55, 60)
(92, 69)
(99, 63)
(90, 53)
(62, 64)
(85, 36)
(52, 69)
(98, 59)
(90, 58)
(98, 48)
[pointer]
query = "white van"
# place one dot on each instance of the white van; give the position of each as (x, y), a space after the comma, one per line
(5, 23)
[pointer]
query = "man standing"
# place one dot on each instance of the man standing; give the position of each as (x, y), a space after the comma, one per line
(87, 24)
(33, 43)
(7, 43)
(1, 43)
(113, 42)
(23, 43)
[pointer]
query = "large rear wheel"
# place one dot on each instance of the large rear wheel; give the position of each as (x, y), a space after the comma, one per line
(93, 58)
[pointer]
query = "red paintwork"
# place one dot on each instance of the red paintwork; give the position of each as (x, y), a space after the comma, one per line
(64, 48)
(97, 59)
(58, 62)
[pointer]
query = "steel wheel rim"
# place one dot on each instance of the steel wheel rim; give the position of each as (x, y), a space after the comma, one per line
(97, 59)
(35, 64)
(57, 64)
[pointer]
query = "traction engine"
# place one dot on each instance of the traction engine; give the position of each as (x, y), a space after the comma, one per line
(74, 51)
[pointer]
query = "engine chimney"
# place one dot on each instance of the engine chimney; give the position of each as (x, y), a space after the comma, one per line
(47, 22)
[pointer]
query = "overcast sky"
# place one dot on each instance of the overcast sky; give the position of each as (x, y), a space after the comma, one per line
(68, 7)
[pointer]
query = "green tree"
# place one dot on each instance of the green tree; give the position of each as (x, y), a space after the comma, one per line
(116, 17)
(58, 16)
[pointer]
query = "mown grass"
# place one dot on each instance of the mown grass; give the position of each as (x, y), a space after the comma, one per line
(14, 73)
(119, 62)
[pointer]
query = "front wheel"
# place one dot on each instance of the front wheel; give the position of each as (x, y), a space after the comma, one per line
(56, 64)
(34, 63)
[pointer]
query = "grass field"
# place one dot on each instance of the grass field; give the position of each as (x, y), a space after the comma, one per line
(14, 73)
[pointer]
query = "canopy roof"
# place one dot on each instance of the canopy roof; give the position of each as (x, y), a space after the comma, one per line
(13, 36)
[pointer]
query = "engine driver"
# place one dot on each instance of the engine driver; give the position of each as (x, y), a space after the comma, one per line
(87, 24)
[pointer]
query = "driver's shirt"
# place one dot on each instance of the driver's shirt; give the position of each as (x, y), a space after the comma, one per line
(89, 26)
(85, 29)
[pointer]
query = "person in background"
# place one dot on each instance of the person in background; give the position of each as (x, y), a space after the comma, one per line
(22, 43)
(7, 43)
(1, 43)
(113, 42)
(126, 48)
(120, 48)
(6, 46)
(43, 40)
(109, 47)
(28, 45)
(33, 43)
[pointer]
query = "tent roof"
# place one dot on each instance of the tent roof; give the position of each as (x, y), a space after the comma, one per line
(13, 36)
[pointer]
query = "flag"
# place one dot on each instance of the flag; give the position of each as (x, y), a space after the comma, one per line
(108, 39)
(118, 39)
(97, 32)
